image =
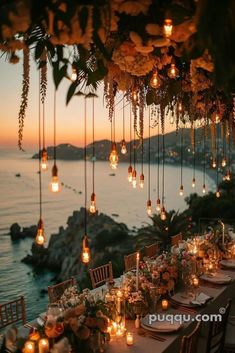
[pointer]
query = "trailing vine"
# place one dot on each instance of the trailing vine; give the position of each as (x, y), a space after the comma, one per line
(24, 96)
(43, 77)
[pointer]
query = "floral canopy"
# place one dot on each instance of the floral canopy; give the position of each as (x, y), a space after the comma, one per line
(132, 46)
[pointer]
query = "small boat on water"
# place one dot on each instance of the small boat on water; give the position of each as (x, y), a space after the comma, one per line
(17, 175)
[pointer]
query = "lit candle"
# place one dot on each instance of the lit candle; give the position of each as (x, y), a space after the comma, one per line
(119, 305)
(137, 270)
(43, 345)
(210, 266)
(119, 293)
(29, 347)
(195, 282)
(108, 297)
(165, 304)
(129, 339)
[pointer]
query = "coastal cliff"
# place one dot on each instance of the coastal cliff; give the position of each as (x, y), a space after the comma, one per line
(109, 240)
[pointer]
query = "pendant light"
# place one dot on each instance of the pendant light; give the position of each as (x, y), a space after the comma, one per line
(204, 163)
(141, 183)
(149, 203)
(55, 185)
(130, 166)
(194, 157)
(40, 236)
(224, 159)
(228, 175)
(217, 194)
(158, 206)
(181, 191)
(123, 142)
(168, 27)
(113, 157)
(93, 195)
(86, 254)
(155, 81)
(134, 173)
(173, 72)
(163, 210)
(43, 82)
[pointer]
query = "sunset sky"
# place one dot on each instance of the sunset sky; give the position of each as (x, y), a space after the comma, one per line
(70, 119)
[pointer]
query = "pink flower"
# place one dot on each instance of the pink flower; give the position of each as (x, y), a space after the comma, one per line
(184, 263)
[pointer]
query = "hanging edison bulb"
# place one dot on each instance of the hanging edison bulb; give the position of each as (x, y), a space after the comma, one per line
(40, 237)
(149, 207)
(74, 75)
(158, 206)
(173, 72)
(86, 253)
(217, 194)
(168, 27)
(134, 95)
(217, 118)
(163, 214)
(130, 173)
(134, 182)
(113, 157)
(204, 188)
(141, 180)
(172, 120)
(227, 177)
(193, 183)
(44, 160)
(213, 163)
(155, 81)
(92, 208)
(181, 192)
(223, 162)
(123, 147)
(55, 185)
(180, 107)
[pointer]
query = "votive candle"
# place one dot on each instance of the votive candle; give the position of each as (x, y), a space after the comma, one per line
(165, 304)
(43, 345)
(137, 270)
(29, 347)
(129, 339)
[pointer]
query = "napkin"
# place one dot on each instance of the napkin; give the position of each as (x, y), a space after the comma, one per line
(201, 299)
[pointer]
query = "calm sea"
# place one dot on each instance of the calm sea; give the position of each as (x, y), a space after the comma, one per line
(19, 203)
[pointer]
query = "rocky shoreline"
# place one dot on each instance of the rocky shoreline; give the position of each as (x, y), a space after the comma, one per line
(109, 240)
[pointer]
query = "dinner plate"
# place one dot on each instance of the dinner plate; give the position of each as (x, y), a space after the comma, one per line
(217, 278)
(160, 326)
(228, 263)
(179, 299)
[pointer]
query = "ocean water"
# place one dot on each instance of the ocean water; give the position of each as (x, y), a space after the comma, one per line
(19, 203)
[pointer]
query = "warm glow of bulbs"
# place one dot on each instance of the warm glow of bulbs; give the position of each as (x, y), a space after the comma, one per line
(193, 183)
(213, 163)
(173, 72)
(40, 237)
(217, 118)
(180, 107)
(74, 75)
(134, 95)
(227, 177)
(142, 181)
(217, 194)
(134, 182)
(55, 184)
(155, 80)
(44, 160)
(224, 162)
(181, 192)
(123, 147)
(172, 120)
(158, 206)
(163, 214)
(92, 208)
(168, 27)
(130, 173)
(204, 189)
(113, 157)
(149, 207)
(86, 254)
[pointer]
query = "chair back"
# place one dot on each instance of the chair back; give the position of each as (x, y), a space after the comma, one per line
(56, 291)
(12, 312)
(217, 331)
(151, 250)
(189, 343)
(100, 275)
(130, 261)
(175, 239)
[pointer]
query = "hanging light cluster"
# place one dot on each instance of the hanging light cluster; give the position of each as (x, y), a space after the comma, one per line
(149, 203)
(55, 184)
(93, 195)
(123, 142)
(113, 157)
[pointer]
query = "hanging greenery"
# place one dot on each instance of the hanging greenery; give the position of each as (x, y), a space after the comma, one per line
(43, 77)
(24, 96)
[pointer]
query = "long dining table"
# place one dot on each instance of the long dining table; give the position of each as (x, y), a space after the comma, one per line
(170, 342)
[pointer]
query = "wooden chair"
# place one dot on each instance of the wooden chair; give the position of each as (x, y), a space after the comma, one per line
(55, 292)
(130, 261)
(189, 343)
(12, 312)
(100, 275)
(217, 331)
(151, 250)
(175, 239)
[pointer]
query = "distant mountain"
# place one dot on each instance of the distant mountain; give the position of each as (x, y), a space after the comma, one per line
(172, 149)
